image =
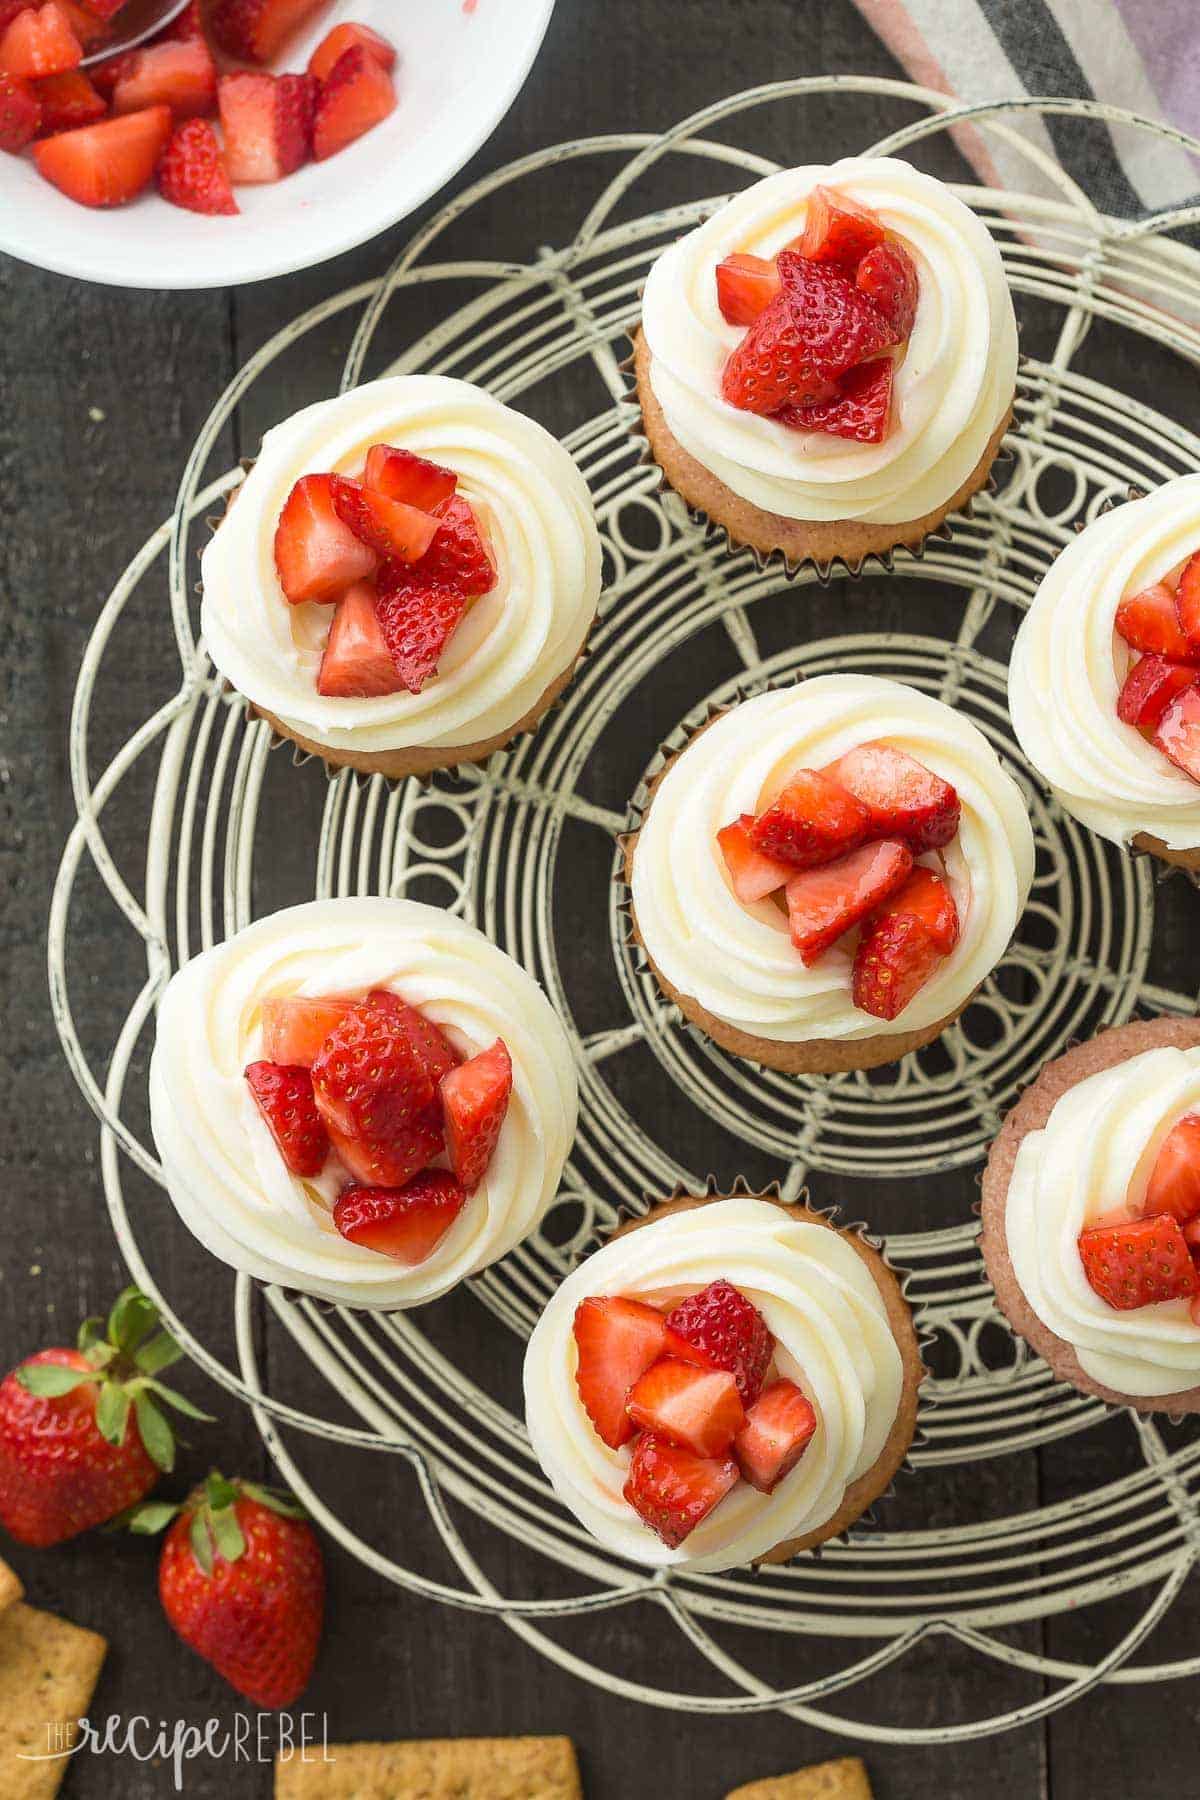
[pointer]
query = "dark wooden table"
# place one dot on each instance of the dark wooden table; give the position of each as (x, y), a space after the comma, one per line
(101, 393)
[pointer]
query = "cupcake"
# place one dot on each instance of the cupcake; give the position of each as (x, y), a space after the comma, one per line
(363, 1098)
(826, 367)
(406, 577)
(824, 875)
(728, 1381)
(1091, 1216)
(1104, 683)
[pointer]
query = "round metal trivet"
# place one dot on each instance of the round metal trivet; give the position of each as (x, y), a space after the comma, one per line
(491, 843)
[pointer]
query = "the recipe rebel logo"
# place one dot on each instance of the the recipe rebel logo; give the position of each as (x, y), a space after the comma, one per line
(260, 1737)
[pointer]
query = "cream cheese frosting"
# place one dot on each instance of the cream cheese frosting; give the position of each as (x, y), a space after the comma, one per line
(513, 643)
(1068, 666)
(832, 1338)
(1095, 1156)
(738, 961)
(220, 1163)
(954, 384)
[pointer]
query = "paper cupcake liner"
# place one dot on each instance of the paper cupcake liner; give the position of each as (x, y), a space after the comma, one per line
(837, 568)
(629, 1213)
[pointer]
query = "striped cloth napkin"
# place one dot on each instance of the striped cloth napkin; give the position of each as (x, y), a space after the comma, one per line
(1140, 54)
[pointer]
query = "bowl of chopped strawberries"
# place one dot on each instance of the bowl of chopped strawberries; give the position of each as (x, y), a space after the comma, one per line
(246, 138)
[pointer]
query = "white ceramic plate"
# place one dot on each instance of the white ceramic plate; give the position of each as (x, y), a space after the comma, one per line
(461, 65)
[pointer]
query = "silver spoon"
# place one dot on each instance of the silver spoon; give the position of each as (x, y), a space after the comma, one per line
(137, 21)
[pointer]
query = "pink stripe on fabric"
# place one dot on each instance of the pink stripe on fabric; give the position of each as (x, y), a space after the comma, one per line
(898, 32)
(1167, 34)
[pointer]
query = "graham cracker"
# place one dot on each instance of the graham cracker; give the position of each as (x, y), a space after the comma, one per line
(845, 1779)
(518, 1768)
(48, 1672)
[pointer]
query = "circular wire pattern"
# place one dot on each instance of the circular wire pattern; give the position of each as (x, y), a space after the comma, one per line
(489, 842)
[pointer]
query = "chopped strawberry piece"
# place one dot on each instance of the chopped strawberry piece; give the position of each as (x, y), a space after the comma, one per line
(827, 902)
(192, 173)
(1178, 733)
(814, 820)
(729, 1331)
(751, 874)
(357, 664)
(746, 286)
(838, 324)
(1149, 621)
(268, 122)
(372, 1077)
(108, 163)
(771, 367)
(838, 230)
(106, 9)
(888, 276)
(902, 797)
(926, 896)
(345, 37)
(20, 113)
(406, 1223)
(475, 1099)
(1174, 1185)
(317, 557)
(355, 96)
(255, 29)
(294, 1030)
(775, 1436)
(417, 623)
(429, 1044)
(39, 42)
(697, 1408)
(394, 1163)
(1149, 688)
(1138, 1264)
(10, 8)
(68, 101)
(389, 526)
(458, 557)
(182, 76)
(189, 24)
(285, 1100)
(616, 1341)
(860, 410)
(896, 955)
(1187, 599)
(401, 475)
(672, 1491)
(90, 30)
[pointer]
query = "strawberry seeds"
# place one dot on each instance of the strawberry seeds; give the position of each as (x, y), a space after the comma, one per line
(1154, 1253)
(689, 1391)
(399, 556)
(1160, 696)
(825, 320)
(372, 1082)
(838, 849)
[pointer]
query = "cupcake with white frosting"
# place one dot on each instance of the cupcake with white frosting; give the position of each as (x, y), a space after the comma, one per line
(728, 1381)
(1091, 1216)
(1104, 683)
(406, 577)
(825, 873)
(362, 1098)
(826, 366)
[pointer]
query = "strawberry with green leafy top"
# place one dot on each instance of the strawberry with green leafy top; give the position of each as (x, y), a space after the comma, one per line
(242, 1581)
(82, 1431)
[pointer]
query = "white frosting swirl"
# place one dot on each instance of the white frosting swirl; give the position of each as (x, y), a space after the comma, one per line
(1068, 666)
(1095, 1155)
(223, 1171)
(832, 1338)
(513, 642)
(739, 961)
(953, 385)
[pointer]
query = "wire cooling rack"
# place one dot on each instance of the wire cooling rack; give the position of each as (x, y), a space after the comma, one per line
(490, 843)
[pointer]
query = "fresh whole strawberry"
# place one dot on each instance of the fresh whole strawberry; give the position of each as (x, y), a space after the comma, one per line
(729, 1332)
(1138, 1264)
(82, 1433)
(242, 1581)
